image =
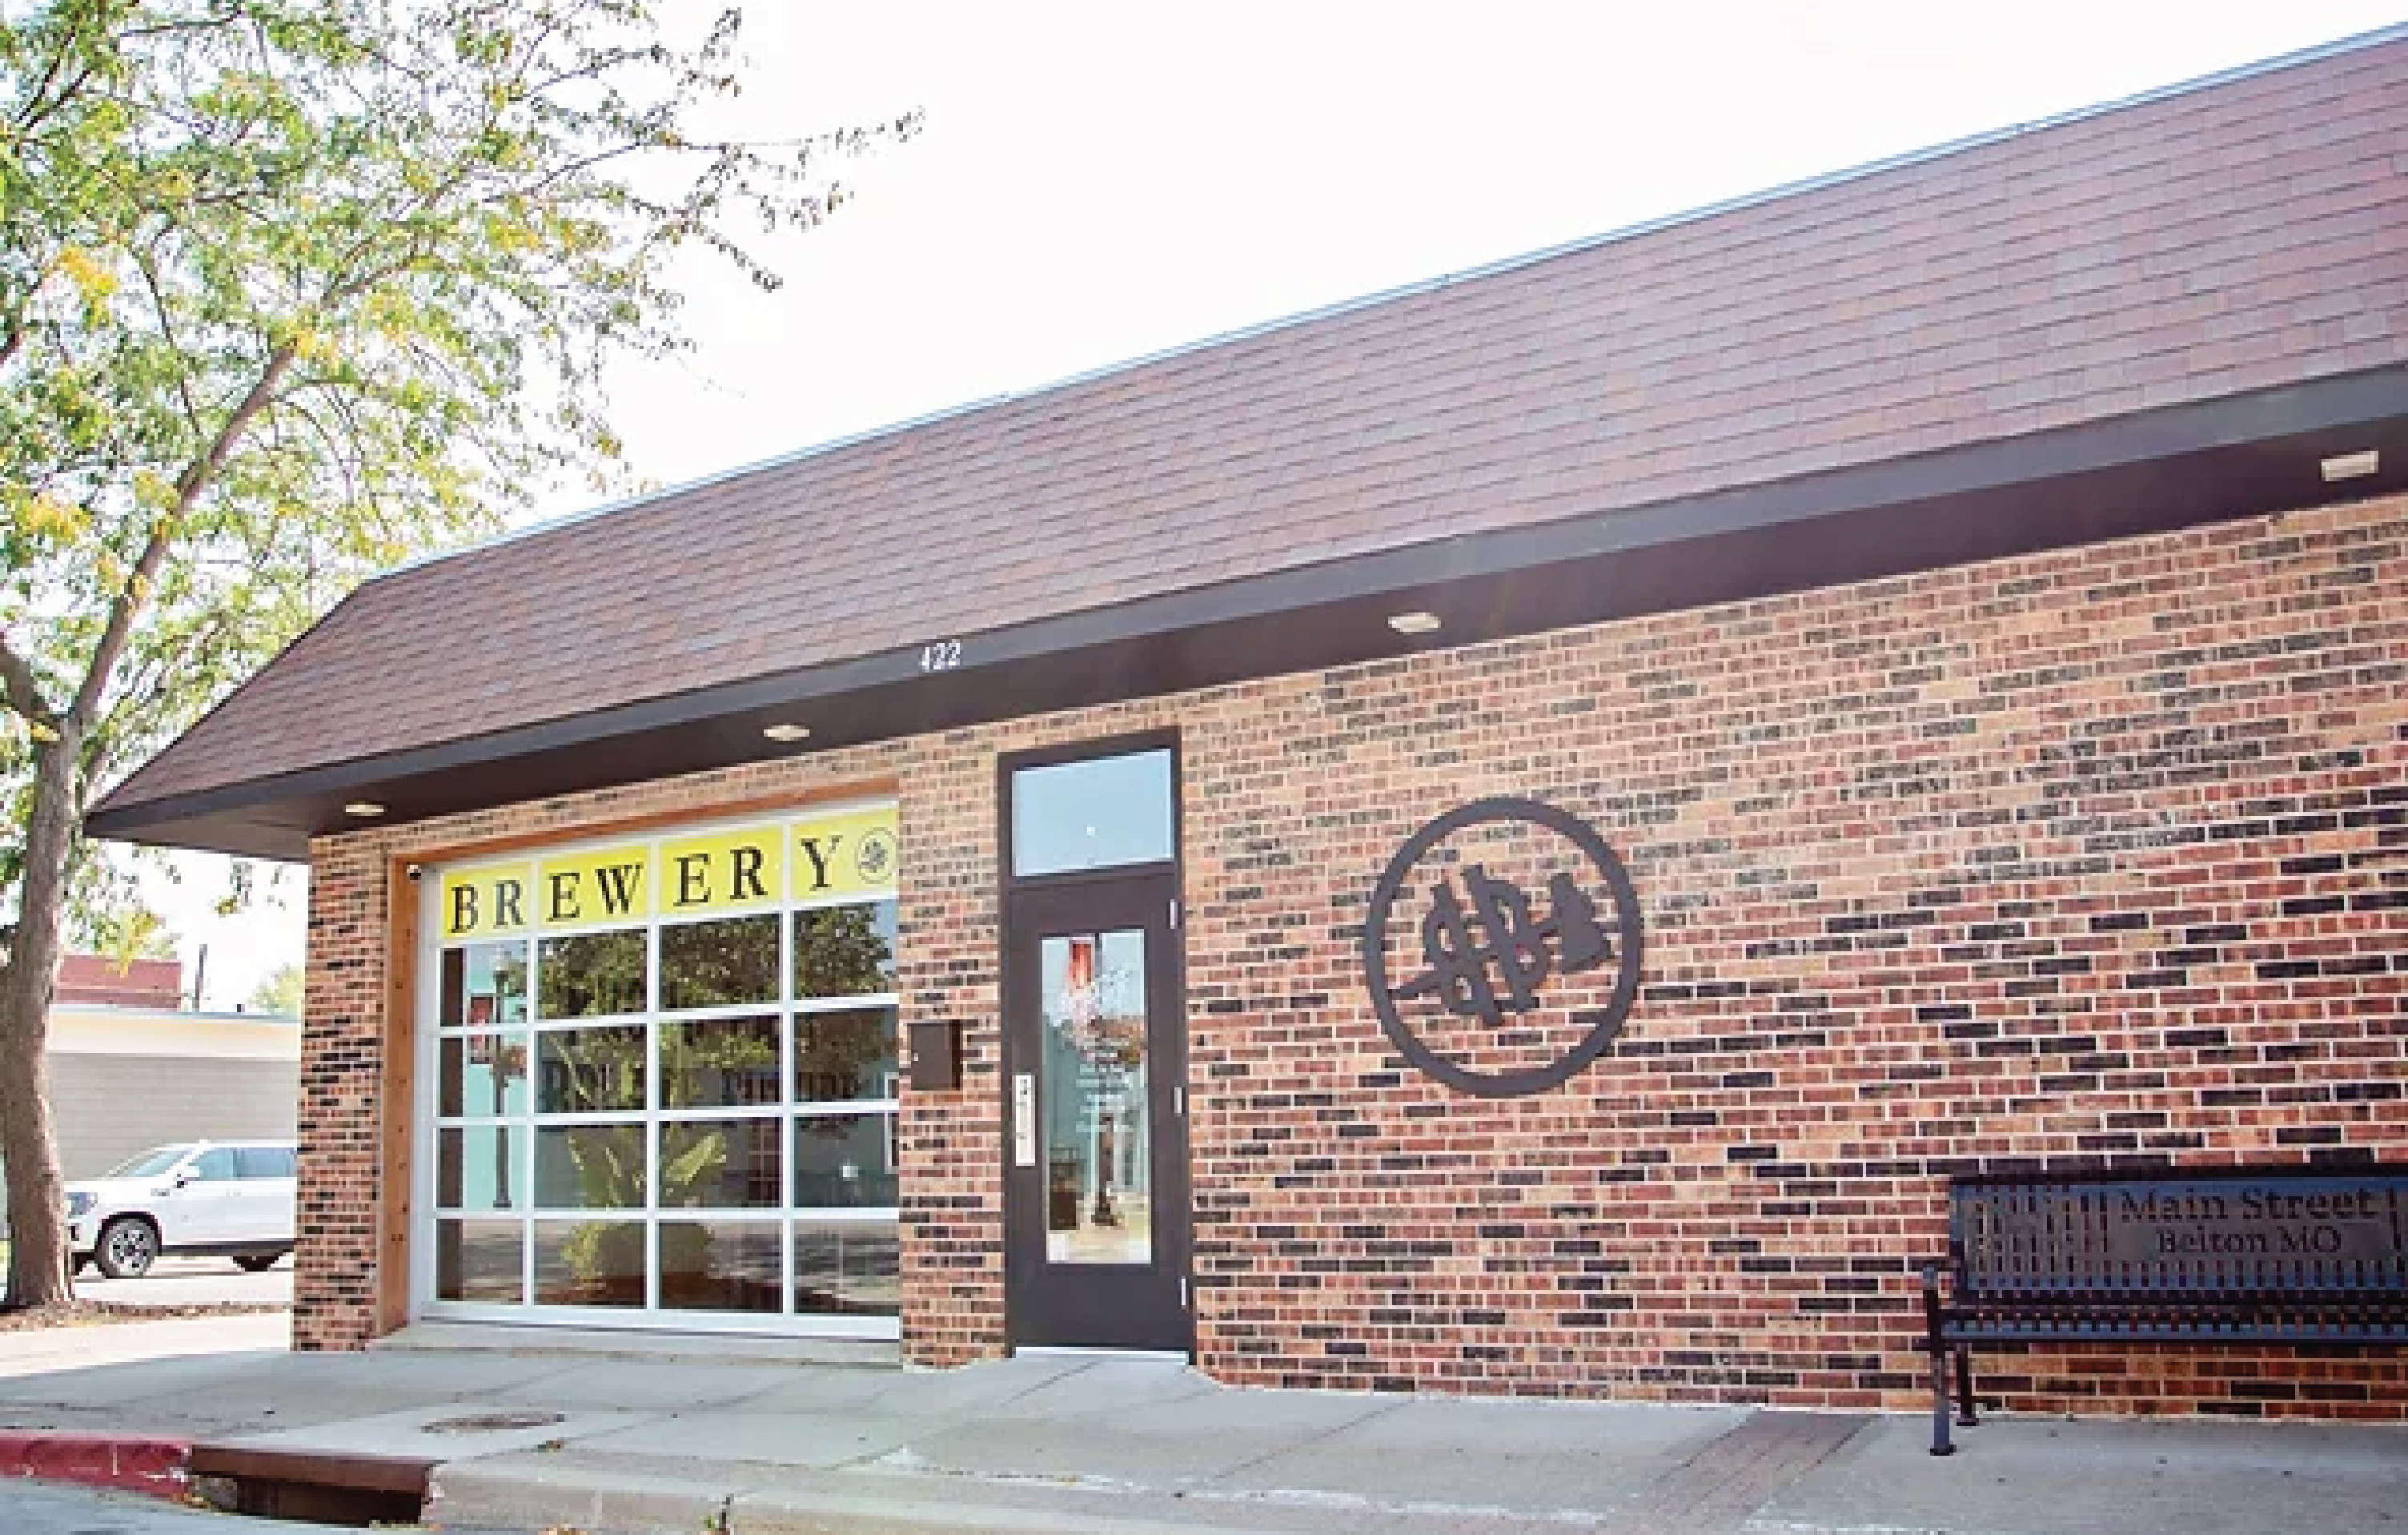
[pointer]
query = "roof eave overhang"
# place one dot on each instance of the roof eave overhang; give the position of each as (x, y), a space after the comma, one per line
(2235, 456)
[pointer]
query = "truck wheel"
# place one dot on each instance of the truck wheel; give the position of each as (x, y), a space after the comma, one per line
(128, 1246)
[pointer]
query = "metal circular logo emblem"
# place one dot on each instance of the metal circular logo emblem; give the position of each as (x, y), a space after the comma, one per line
(873, 857)
(1488, 955)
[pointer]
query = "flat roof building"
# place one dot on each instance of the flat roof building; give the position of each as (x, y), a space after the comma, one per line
(1508, 837)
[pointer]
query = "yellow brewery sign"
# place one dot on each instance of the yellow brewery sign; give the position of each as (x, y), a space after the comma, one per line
(725, 870)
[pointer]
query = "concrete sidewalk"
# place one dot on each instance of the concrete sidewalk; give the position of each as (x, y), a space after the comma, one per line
(1089, 1445)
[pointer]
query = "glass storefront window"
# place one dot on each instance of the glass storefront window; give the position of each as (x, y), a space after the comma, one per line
(591, 1167)
(481, 1168)
(590, 1071)
(484, 986)
(596, 975)
(480, 1261)
(717, 964)
(715, 1062)
(1097, 812)
(724, 1265)
(844, 1055)
(590, 1263)
(722, 1164)
(842, 1267)
(682, 1105)
(844, 950)
(481, 1074)
(845, 1160)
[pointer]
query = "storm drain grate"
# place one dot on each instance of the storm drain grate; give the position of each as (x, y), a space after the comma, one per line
(492, 1423)
(324, 1487)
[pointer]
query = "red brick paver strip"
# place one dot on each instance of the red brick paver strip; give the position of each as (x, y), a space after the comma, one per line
(116, 1462)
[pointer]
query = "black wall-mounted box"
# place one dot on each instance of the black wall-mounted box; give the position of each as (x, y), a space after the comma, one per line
(935, 1054)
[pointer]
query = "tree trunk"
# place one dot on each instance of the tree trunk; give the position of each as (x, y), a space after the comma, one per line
(37, 1246)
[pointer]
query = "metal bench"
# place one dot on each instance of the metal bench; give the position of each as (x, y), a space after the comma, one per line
(2285, 1254)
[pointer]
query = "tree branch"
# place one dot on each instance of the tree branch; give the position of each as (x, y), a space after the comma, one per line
(141, 255)
(136, 592)
(37, 106)
(23, 689)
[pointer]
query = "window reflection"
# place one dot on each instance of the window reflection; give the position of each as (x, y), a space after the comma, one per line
(593, 975)
(845, 1160)
(590, 1071)
(844, 950)
(844, 1055)
(484, 986)
(709, 1062)
(480, 1074)
(481, 1167)
(722, 1164)
(723, 1266)
(590, 1167)
(1101, 812)
(589, 1262)
(843, 1267)
(478, 1260)
(1098, 1171)
(719, 963)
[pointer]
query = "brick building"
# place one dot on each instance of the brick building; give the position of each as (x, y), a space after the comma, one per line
(1506, 837)
(85, 979)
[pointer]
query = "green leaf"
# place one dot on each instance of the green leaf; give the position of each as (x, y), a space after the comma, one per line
(681, 1172)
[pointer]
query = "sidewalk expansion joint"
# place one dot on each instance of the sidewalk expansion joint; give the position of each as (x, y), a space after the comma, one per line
(1730, 1477)
(1320, 1437)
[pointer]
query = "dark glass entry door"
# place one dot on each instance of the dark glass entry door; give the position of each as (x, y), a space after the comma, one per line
(1095, 1129)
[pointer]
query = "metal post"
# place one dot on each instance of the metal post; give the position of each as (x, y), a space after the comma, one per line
(1938, 1348)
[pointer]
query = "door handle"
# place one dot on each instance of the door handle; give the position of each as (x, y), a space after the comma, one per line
(1024, 1119)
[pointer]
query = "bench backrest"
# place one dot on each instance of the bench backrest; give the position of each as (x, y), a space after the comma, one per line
(2337, 1233)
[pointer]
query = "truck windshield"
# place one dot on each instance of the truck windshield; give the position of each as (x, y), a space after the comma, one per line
(150, 1164)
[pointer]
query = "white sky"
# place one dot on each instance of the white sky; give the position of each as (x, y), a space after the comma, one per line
(1099, 182)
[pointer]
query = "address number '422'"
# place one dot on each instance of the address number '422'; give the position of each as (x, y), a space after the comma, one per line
(941, 656)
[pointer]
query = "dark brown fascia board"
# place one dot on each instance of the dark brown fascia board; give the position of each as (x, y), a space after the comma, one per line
(2147, 473)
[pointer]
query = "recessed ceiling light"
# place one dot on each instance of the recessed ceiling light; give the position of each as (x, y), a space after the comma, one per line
(787, 732)
(2352, 465)
(364, 807)
(1414, 622)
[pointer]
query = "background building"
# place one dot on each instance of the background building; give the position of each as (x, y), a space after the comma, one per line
(131, 1069)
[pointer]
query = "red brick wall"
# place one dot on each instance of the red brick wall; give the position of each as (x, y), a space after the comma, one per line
(342, 1054)
(2098, 854)
(134, 983)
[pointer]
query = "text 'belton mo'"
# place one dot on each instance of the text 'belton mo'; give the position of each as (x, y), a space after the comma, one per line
(703, 874)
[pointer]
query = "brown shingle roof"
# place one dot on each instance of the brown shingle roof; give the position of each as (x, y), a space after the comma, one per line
(2246, 234)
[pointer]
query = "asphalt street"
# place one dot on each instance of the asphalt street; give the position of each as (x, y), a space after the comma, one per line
(31, 1508)
(192, 1281)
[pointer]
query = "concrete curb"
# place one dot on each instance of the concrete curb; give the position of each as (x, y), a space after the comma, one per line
(573, 1492)
(156, 1467)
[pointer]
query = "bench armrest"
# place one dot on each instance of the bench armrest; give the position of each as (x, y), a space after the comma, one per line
(1935, 1310)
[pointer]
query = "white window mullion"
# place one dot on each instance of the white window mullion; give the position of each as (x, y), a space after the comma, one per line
(653, 1101)
(787, 1056)
(425, 1136)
